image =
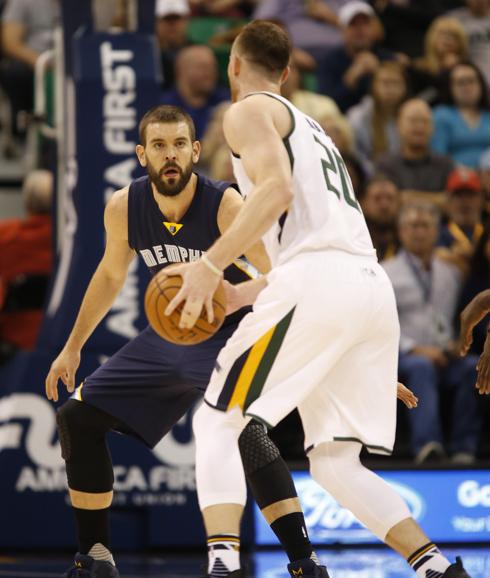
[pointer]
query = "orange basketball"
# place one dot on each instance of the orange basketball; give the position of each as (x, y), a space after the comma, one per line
(160, 291)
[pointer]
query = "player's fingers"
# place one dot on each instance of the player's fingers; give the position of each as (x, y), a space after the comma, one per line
(70, 381)
(176, 301)
(210, 309)
(52, 386)
(465, 338)
(190, 314)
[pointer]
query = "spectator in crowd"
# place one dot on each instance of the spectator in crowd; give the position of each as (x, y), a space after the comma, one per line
(475, 18)
(462, 123)
(458, 238)
(27, 31)
(25, 266)
(427, 291)
(313, 25)
(406, 22)
(346, 73)
(478, 280)
(380, 204)
(172, 20)
(197, 90)
(417, 171)
(446, 44)
(373, 120)
(484, 174)
(315, 105)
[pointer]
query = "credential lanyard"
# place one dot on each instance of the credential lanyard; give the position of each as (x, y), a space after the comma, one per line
(424, 281)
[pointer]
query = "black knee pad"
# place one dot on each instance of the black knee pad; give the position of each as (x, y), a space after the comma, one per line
(82, 431)
(267, 473)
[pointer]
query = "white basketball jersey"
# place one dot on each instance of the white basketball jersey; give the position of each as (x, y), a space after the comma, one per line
(324, 213)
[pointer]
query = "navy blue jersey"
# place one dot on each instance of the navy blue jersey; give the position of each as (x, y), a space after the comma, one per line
(161, 242)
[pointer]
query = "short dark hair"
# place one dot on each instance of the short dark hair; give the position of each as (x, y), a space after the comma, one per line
(265, 44)
(166, 113)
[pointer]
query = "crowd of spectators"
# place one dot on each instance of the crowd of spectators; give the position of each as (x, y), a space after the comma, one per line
(401, 86)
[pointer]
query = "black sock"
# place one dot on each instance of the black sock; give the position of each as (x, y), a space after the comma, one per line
(292, 533)
(93, 528)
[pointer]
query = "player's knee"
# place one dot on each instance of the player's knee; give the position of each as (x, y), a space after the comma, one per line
(79, 423)
(266, 471)
(256, 448)
(332, 462)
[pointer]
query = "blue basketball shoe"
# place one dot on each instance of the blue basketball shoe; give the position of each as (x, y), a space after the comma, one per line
(307, 568)
(87, 567)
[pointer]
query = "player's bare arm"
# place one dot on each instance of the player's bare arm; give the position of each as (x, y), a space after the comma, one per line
(471, 315)
(101, 293)
(266, 161)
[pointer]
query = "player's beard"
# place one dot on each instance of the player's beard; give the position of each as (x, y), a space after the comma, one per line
(167, 188)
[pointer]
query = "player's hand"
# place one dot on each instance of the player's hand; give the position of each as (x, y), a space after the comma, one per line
(198, 286)
(407, 396)
(233, 301)
(471, 315)
(483, 367)
(64, 367)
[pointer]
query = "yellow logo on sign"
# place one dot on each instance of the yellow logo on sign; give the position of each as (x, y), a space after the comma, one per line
(172, 228)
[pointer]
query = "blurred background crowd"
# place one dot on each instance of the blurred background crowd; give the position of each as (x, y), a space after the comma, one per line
(401, 86)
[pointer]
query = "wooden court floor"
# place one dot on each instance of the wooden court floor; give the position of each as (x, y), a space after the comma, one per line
(349, 563)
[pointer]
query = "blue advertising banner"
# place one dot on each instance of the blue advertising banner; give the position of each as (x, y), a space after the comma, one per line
(451, 506)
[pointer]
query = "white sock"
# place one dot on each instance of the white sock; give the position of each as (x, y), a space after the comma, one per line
(223, 555)
(428, 562)
(101, 553)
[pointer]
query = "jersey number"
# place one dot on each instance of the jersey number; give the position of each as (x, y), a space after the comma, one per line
(334, 163)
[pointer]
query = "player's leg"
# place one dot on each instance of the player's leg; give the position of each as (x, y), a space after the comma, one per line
(266, 368)
(222, 491)
(359, 397)
(221, 487)
(137, 391)
(82, 430)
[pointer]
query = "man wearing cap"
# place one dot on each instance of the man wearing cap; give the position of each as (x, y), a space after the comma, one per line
(460, 235)
(346, 73)
(172, 20)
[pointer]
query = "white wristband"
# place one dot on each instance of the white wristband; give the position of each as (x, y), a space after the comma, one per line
(211, 266)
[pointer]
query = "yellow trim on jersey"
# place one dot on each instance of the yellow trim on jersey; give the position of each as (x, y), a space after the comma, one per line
(248, 370)
(238, 265)
(78, 392)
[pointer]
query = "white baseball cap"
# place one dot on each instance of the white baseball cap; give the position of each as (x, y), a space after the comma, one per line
(175, 7)
(352, 9)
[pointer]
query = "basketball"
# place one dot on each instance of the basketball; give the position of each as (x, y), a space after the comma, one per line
(160, 291)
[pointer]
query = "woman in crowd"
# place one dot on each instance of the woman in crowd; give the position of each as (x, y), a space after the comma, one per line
(446, 44)
(374, 119)
(462, 123)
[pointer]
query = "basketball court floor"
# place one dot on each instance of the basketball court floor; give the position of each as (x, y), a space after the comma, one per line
(349, 563)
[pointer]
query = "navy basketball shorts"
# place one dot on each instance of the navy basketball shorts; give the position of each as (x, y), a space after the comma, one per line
(149, 384)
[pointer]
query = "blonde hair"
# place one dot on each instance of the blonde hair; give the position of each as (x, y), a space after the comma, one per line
(431, 61)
